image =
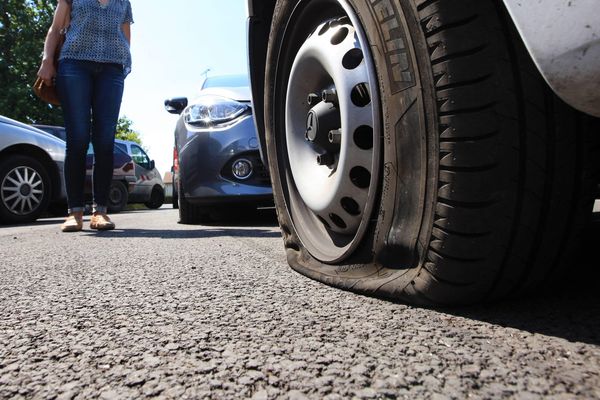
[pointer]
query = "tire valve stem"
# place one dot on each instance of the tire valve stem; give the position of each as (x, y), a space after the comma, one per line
(325, 159)
(312, 99)
(330, 96)
(335, 136)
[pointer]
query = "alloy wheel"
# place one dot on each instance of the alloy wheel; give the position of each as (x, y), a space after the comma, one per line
(22, 190)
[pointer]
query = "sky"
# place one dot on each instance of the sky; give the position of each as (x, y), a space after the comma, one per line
(172, 43)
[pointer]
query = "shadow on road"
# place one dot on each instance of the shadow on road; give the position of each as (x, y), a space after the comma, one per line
(200, 233)
(570, 311)
(235, 225)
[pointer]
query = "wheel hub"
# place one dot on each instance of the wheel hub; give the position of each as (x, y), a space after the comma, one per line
(25, 190)
(320, 121)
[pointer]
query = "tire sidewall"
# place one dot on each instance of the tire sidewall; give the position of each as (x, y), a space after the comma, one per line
(157, 198)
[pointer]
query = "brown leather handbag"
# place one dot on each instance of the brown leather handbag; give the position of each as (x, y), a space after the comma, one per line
(47, 93)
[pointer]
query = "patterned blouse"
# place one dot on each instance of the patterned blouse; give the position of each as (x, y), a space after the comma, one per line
(95, 32)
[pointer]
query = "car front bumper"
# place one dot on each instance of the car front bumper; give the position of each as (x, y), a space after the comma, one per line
(205, 164)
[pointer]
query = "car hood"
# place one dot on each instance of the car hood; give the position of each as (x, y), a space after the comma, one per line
(17, 133)
(235, 93)
(32, 130)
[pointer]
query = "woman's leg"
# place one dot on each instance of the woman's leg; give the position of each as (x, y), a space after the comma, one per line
(106, 103)
(74, 86)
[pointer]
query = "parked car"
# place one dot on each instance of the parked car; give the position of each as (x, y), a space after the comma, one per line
(149, 188)
(435, 152)
(124, 182)
(216, 157)
(31, 171)
(58, 131)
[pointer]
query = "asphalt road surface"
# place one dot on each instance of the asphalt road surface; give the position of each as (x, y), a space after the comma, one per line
(158, 309)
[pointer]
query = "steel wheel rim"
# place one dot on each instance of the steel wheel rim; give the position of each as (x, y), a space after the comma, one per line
(22, 190)
(333, 170)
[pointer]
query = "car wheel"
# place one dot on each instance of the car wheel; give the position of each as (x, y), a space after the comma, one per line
(117, 197)
(190, 213)
(25, 189)
(157, 198)
(175, 197)
(416, 153)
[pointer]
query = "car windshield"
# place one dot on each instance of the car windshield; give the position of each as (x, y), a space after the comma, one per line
(226, 81)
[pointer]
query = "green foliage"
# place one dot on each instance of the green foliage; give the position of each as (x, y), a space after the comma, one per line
(126, 132)
(23, 28)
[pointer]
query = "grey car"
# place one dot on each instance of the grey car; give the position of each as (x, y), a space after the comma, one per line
(217, 162)
(31, 171)
(149, 188)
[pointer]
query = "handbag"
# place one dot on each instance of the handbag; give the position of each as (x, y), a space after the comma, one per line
(47, 93)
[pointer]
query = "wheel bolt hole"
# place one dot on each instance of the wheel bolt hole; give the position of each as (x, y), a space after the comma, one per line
(360, 177)
(360, 95)
(339, 36)
(350, 206)
(338, 221)
(324, 222)
(363, 137)
(352, 58)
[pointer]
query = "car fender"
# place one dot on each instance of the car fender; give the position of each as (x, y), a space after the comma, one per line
(563, 39)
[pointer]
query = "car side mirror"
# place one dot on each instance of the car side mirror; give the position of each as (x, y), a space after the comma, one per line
(176, 105)
(151, 164)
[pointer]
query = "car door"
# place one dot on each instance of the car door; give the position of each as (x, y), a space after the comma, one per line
(144, 170)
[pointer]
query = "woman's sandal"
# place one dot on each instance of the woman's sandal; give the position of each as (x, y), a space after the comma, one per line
(73, 223)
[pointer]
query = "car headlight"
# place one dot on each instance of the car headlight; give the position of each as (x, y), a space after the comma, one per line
(214, 112)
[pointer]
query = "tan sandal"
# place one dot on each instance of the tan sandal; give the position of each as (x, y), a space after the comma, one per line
(73, 223)
(101, 222)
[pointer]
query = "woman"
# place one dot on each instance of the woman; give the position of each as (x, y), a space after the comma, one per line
(93, 64)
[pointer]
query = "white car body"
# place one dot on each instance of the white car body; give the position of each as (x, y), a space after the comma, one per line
(563, 38)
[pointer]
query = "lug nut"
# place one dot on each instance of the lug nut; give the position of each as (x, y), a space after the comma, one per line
(329, 96)
(312, 99)
(325, 159)
(335, 136)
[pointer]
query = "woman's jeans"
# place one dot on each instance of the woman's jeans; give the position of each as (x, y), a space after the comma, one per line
(90, 95)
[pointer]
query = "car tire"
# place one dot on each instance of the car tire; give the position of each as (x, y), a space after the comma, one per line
(175, 198)
(117, 197)
(441, 169)
(157, 198)
(190, 213)
(25, 189)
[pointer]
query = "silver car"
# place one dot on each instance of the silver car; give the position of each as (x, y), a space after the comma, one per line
(31, 172)
(216, 156)
(149, 188)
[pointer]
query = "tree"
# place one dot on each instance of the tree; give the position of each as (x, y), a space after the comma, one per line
(23, 28)
(126, 132)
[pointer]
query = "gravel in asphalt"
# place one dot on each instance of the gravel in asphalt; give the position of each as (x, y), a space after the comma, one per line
(156, 309)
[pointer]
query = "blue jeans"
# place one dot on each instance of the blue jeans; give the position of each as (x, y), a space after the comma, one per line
(90, 95)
